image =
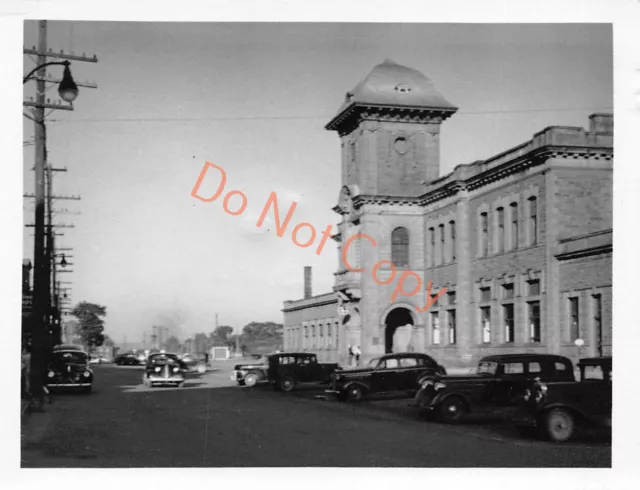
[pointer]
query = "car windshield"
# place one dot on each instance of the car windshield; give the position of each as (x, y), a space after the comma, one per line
(487, 367)
(71, 357)
(373, 362)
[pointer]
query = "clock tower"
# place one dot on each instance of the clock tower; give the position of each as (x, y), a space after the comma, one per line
(389, 126)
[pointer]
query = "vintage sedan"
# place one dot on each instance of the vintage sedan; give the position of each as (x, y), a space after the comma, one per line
(284, 370)
(129, 359)
(391, 373)
(69, 369)
(196, 363)
(164, 369)
(559, 410)
(498, 384)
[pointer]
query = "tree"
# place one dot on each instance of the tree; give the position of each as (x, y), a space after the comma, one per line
(91, 323)
(172, 344)
(220, 335)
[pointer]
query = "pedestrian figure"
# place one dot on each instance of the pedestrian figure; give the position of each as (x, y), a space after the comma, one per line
(350, 354)
(357, 353)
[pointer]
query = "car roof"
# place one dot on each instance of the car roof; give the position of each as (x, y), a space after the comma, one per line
(276, 354)
(524, 357)
(398, 355)
(596, 361)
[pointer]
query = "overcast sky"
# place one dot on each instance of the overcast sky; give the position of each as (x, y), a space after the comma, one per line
(254, 99)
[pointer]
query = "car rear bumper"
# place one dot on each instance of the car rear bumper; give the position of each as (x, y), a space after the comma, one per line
(68, 385)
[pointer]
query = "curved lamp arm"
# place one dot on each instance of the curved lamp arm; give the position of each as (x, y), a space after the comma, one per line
(61, 63)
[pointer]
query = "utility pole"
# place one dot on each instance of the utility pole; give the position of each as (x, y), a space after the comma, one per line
(40, 338)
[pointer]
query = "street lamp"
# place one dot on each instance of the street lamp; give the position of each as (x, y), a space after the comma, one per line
(67, 88)
(68, 91)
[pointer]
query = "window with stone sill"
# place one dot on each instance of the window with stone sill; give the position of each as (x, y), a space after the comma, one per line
(574, 318)
(501, 234)
(442, 244)
(400, 247)
(435, 327)
(507, 291)
(514, 226)
(509, 325)
(533, 220)
(535, 334)
(485, 320)
(484, 234)
(485, 294)
(451, 320)
(432, 245)
(451, 297)
(452, 238)
(533, 287)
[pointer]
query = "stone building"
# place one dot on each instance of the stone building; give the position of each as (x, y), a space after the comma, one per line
(522, 241)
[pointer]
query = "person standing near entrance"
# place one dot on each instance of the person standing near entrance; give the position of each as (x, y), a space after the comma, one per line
(357, 353)
(350, 356)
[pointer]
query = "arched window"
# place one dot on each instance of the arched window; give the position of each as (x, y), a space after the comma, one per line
(400, 247)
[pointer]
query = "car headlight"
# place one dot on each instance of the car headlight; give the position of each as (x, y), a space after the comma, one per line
(176, 369)
(86, 374)
(51, 374)
(157, 369)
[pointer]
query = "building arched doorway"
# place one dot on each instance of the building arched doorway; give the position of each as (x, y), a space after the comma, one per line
(398, 317)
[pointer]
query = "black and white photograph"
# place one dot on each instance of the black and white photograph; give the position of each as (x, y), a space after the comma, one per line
(314, 242)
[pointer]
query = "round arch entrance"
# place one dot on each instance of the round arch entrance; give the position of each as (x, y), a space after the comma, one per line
(398, 317)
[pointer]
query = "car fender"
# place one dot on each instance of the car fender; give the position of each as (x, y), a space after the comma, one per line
(579, 414)
(444, 394)
(362, 384)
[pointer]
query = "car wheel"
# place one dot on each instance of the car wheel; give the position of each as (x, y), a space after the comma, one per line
(201, 368)
(560, 425)
(251, 379)
(355, 393)
(452, 409)
(286, 383)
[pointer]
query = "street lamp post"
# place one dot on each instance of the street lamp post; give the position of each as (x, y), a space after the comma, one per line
(68, 91)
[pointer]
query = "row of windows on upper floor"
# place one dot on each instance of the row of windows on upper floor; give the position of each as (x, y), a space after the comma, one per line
(442, 250)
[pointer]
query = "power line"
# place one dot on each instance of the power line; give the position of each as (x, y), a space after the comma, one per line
(270, 118)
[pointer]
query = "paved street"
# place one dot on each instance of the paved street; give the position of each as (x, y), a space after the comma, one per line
(211, 422)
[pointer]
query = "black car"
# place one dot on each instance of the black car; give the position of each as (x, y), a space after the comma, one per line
(284, 370)
(559, 410)
(69, 369)
(391, 373)
(498, 384)
(129, 359)
(164, 369)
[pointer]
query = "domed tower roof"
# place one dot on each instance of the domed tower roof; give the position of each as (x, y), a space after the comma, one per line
(392, 85)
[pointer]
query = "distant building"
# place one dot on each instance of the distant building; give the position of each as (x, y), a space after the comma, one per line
(522, 241)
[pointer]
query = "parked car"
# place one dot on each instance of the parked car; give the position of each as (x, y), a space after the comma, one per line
(284, 370)
(196, 363)
(559, 410)
(69, 369)
(164, 369)
(391, 373)
(129, 359)
(498, 384)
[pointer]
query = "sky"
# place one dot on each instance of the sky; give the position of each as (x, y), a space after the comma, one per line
(254, 99)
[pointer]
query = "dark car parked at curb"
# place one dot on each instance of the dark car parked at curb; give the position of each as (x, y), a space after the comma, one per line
(499, 383)
(391, 373)
(284, 370)
(69, 369)
(559, 410)
(164, 369)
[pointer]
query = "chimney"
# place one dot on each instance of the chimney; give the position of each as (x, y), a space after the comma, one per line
(307, 282)
(601, 123)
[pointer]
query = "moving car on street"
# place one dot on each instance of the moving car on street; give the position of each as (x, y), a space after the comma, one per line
(284, 370)
(69, 369)
(129, 359)
(499, 383)
(559, 410)
(164, 369)
(391, 373)
(196, 363)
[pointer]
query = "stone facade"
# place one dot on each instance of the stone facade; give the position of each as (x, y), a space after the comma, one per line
(522, 241)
